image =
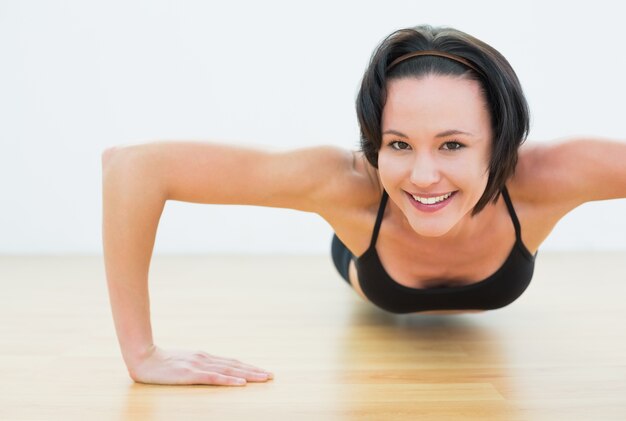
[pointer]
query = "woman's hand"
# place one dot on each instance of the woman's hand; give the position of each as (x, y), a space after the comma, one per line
(161, 366)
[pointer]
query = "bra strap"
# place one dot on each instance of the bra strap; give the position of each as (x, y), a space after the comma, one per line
(509, 205)
(379, 218)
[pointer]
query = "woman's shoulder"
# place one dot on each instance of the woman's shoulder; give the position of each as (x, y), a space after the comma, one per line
(353, 188)
(354, 201)
(568, 172)
(532, 183)
(534, 192)
(521, 185)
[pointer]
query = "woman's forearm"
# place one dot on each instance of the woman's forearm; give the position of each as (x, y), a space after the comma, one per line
(132, 202)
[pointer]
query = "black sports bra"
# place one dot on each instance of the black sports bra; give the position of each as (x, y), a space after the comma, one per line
(498, 290)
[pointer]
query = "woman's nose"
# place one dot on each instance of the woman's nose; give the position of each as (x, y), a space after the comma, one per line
(424, 172)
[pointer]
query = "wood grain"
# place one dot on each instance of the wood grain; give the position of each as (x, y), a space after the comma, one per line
(559, 352)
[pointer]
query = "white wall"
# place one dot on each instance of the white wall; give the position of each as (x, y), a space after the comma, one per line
(77, 77)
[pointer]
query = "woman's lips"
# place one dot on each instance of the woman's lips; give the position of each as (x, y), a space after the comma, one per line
(430, 208)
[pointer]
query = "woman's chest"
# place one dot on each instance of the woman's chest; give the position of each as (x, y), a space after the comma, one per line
(417, 264)
(420, 265)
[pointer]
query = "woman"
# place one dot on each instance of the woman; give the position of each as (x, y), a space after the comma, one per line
(443, 206)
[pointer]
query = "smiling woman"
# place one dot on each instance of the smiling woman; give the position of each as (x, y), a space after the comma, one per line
(442, 209)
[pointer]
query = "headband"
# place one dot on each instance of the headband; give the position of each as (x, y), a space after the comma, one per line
(435, 53)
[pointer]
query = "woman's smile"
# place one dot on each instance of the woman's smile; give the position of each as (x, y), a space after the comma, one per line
(432, 204)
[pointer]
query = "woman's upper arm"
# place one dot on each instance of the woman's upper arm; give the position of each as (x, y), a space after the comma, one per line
(305, 179)
(571, 172)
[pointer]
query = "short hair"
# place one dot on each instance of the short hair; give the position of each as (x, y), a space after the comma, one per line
(507, 106)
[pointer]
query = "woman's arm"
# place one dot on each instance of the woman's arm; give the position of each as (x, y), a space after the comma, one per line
(133, 200)
(307, 179)
(139, 179)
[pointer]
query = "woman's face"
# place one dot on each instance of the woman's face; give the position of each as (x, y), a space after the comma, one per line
(424, 153)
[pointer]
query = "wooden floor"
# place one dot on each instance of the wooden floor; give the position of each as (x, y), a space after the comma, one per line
(558, 353)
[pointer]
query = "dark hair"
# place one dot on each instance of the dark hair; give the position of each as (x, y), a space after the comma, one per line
(507, 105)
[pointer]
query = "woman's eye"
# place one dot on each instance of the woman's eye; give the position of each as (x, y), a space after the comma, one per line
(401, 147)
(455, 146)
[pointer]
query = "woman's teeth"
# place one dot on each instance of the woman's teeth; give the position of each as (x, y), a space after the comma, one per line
(432, 200)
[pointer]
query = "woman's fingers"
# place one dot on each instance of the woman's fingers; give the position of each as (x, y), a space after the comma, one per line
(226, 377)
(208, 369)
(233, 363)
(251, 368)
(250, 375)
(213, 378)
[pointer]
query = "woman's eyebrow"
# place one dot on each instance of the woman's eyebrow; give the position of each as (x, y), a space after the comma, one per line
(442, 134)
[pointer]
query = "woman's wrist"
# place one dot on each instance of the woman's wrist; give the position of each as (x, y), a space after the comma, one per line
(133, 358)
